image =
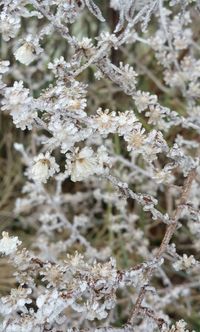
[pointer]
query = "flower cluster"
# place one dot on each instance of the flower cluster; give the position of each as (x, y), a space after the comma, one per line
(105, 99)
(87, 288)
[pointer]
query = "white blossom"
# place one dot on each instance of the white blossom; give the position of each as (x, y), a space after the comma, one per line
(8, 245)
(143, 100)
(184, 263)
(102, 91)
(9, 25)
(105, 121)
(136, 138)
(43, 168)
(163, 176)
(20, 105)
(65, 134)
(84, 163)
(15, 301)
(25, 53)
(180, 326)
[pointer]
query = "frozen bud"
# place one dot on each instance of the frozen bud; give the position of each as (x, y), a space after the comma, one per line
(8, 245)
(25, 53)
(44, 167)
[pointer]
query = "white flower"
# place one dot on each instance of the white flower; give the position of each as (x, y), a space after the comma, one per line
(86, 45)
(126, 122)
(65, 134)
(9, 25)
(84, 164)
(67, 98)
(128, 77)
(143, 100)
(106, 37)
(75, 262)
(105, 121)
(44, 167)
(15, 96)
(8, 245)
(106, 271)
(59, 66)
(184, 263)
(25, 53)
(20, 105)
(180, 326)
(163, 176)
(154, 144)
(136, 138)
(54, 275)
(15, 301)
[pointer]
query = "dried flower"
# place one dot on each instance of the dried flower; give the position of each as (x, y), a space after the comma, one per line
(184, 263)
(25, 53)
(84, 163)
(43, 168)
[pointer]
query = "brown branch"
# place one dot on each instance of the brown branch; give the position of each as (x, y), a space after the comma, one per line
(145, 200)
(171, 228)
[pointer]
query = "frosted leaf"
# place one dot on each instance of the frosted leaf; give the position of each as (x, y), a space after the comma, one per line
(94, 9)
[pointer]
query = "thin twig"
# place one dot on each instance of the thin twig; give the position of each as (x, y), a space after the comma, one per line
(166, 239)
